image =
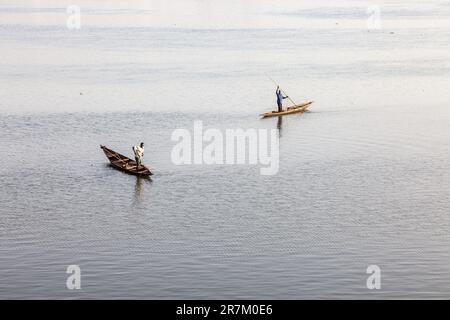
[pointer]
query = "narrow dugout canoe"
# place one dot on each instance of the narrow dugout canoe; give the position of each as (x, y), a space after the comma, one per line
(123, 163)
(298, 108)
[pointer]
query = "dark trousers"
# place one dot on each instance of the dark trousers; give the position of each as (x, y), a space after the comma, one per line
(138, 161)
(280, 107)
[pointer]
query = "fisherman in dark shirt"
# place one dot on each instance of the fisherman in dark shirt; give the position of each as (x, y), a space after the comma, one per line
(280, 99)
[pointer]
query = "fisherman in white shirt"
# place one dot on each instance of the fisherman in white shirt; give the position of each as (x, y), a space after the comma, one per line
(138, 154)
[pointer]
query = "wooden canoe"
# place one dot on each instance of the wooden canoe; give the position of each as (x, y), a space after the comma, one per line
(123, 163)
(298, 108)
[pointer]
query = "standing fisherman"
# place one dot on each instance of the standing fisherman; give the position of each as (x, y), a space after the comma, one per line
(280, 99)
(138, 154)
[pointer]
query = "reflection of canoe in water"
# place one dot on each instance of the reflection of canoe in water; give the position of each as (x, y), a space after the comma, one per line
(298, 108)
(123, 163)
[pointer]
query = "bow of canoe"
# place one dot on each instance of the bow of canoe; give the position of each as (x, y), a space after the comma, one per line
(125, 164)
(296, 109)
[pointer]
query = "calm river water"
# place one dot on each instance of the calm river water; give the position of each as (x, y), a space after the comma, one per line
(364, 177)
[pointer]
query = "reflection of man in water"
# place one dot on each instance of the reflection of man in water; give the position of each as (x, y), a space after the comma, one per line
(138, 190)
(138, 154)
(280, 99)
(279, 125)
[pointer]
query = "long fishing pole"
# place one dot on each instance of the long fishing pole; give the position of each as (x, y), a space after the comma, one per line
(285, 93)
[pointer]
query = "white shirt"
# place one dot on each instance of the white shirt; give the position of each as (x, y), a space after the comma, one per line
(138, 151)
